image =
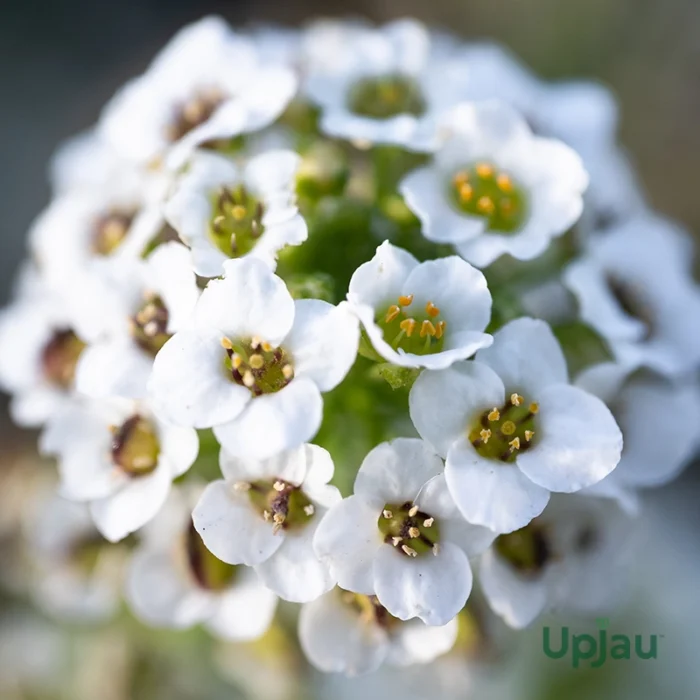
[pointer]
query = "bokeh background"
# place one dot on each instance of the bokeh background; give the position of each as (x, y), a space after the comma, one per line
(60, 61)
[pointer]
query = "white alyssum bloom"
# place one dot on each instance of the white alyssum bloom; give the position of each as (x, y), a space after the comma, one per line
(265, 514)
(401, 537)
(207, 85)
(378, 85)
(174, 581)
(353, 634)
(634, 285)
(572, 558)
(222, 210)
(135, 306)
(120, 458)
(255, 362)
(426, 314)
(512, 428)
(494, 187)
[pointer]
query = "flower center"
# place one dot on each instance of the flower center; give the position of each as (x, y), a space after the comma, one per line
(527, 550)
(420, 333)
(209, 572)
(110, 230)
(195, 111)
(386, 96)
(135, 446)
(369, 609)
(484, 190)
(236, 221)
(149, 327)
(500, 433)
(631, 301)
(258, 366)
(409, 529)
(60, 358)
(279, 502)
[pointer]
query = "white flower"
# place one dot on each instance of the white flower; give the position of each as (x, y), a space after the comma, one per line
(120, 458)
(222, 211)
(349, 633)
(426, 314)
(255, 362)
(571, 558)
(138, 305)
(494, 188)
(176, 582)
(400, 536)
(635, 287)
(379, 86)
(512, 429)
(265, 513)
(207, 85)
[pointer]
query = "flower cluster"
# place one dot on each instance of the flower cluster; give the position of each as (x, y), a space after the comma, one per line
(407, 295)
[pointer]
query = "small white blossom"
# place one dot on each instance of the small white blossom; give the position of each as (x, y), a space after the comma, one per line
(426, 314)
(354, 634)
(175, 582)
(494, 187)
(513, 429)
(401, 537)
(222, 211)
(255, 362)
(265, 514)
(120, 458)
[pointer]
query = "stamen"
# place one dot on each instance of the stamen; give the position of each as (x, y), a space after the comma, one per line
(485, 205)
(466, 192)
(429, 522)
(516, 399)
(413, 532)
(484, 170)
(279, 518)
(388, 514)
(287, 372)
(494, 415)
(505, 184)
(427, 329)
(412, 512)
(409, 551)
(432, 310)
(515, 443)
(529, 434)
(461, 178)
(267, 516)
(278, 486)
(248, 379)
(440, 329)
(485, 435)
(310, 509)
(406, 300)
(396, 541)
(408, 325)
(255, 342)
(266, 347)
(226, 344)
(236, 361)
(392, 313)
(534, 407)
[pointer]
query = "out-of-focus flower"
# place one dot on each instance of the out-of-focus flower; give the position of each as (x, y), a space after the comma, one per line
(494, 188)
(400, 536)
(222, 211)
(350, 633)
(265, 514)
(120, 458)
(421, 314)
(255, 363)
(175, 581)
(513, 429)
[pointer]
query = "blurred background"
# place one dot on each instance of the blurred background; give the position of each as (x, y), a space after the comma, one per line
(60, 62)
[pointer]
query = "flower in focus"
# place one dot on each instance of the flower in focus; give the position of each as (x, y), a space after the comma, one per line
(222, 211)
(401, 537)
(120, 458)
(255, 362)
(512, 428)
(426, 314)
(494, 188)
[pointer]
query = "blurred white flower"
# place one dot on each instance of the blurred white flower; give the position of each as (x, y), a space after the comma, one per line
(119, 457)
(513, 429)
(223, 211)
(634, 285)
(255, 362)
(426, 314)
(349, 633)
(176, 582)
(494, 188)
(401, 537)
(208, 84)
(265, 514)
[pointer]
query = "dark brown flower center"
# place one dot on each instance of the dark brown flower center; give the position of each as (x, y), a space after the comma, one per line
(135, 446)
(60, 358)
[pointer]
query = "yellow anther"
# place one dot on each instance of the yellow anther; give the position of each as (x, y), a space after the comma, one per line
(409, 551)
(238, 212)
(396, 541)
(432, 310)
(440, 329)
(266, 347)
(278, 486)
(413, 532)
(461, 178)
(406, 300)
(427, 328)
(387, 514)
(429, 522)
(484, 170)
(515, 443)
(279, 518)
(310, 509)
(534, 407)
(516, 399)
(529, 434)
(392, 313)
(466, 192)
(287, 372)
(505, 184)
(508, 428)
(412, 513)
(485, 435)
(226, 344)
(256, 361)
(494, 415)
(408, 325)
(255, 342)
(485, 205)
(236, 361)
(248, 379)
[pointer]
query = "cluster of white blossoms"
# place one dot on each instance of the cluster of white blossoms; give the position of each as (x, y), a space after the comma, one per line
(348, 254)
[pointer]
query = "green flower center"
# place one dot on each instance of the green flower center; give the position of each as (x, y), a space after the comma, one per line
(60, 358)
(208, 571)
(501, 433)
(406, 527)
(110, 230)
(369, 609)
(257, 366)
(194, 112)
(149, 327)
(386, 96)
(236, 221)
(484, 190)
(414, 330)
(527, 550)
(631, 301)
(284, 505)
(135, 446)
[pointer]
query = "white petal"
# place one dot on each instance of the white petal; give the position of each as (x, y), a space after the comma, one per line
(290, 465)
(290, 231)
(179, 447)
(580, 441)
(272, 171)
(414, 642)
